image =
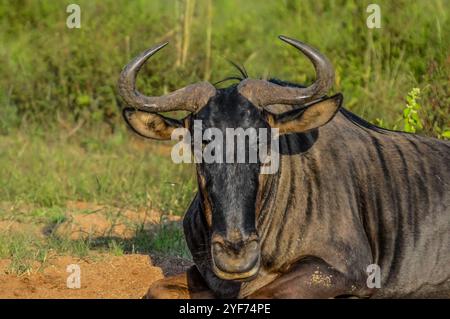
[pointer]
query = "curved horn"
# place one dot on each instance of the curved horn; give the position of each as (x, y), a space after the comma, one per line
(190, 98)
(263, 93)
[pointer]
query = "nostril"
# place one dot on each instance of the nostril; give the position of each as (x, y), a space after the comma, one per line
(227, 247)
(236, 247)
(253, 245)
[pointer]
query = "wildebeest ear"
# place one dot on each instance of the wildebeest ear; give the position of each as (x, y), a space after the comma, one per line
(309, 117)
(150, 125)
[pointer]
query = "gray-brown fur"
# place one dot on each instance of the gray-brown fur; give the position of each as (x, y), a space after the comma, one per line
(357, 196)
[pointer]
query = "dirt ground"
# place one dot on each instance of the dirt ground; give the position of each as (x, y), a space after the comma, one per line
(101, 275)
(127, 276)
(101, 220)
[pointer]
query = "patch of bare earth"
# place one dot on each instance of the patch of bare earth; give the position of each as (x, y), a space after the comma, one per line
(91, 220)
(101, 276)
(127, 276)
(11, 226)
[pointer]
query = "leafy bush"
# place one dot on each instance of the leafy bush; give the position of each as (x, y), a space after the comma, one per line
(50, 72)
(411, 119)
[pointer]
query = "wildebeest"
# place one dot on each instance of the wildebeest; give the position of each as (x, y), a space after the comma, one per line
(347, 195)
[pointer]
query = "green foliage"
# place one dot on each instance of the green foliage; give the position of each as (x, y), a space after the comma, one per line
(93, 167)
(50, 70)
(411, 119)
(444, 134)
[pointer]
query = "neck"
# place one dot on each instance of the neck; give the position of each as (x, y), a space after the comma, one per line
(308, 202)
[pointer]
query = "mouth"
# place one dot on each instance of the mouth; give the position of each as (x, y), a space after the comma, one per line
(235, 275)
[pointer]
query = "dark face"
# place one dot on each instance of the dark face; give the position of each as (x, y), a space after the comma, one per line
(229, 190)
(229, 185)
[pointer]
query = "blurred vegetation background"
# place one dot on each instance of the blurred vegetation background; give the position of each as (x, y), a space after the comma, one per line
(50, 72)
(61, 133)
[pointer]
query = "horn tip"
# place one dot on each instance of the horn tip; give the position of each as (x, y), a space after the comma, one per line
(285, 38)
(291, 41)
(149, 52)
(163, 44)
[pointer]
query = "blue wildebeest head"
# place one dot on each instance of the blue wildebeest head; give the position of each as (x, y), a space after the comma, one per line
(229, 187)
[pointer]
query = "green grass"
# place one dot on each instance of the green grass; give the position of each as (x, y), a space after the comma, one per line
(21, 249)
(48, 172)
(28, 251)
(50, 71)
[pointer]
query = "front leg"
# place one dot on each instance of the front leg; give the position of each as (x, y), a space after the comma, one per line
(188, 285)
(312, 278)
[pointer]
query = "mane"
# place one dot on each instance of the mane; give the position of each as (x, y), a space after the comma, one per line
(360, 122)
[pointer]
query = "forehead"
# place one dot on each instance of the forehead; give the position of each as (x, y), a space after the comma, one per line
(229, 109)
